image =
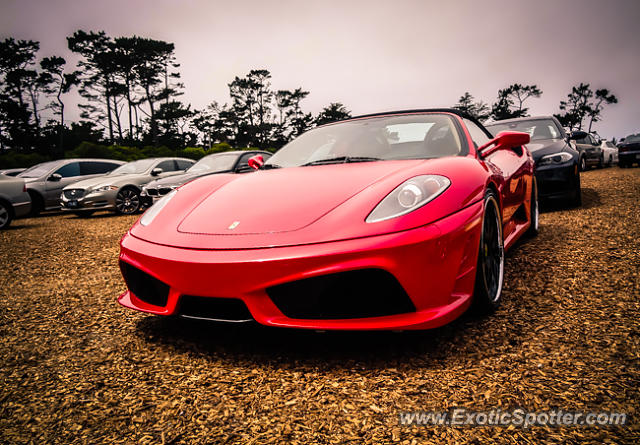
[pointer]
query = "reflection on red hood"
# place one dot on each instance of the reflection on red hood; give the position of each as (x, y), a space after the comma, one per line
(281, 200)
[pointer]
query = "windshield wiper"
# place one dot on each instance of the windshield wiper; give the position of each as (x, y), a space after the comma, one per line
(341, 160)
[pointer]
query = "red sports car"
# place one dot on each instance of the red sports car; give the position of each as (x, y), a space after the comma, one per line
(396, 221)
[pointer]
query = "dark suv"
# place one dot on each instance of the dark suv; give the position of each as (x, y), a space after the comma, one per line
(590, 150)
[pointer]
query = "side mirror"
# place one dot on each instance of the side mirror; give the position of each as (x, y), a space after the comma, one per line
(54, 177)
(156, 171)
(504, 140)
(577, 135)
(255, 162)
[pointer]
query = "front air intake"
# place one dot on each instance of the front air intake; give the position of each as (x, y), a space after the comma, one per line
(344, 295)
(144, 286)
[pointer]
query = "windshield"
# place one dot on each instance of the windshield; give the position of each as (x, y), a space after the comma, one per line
(38, 170)
(419, 136)
(634, 138)
(134, 167)
(538, 129)
(214, 163)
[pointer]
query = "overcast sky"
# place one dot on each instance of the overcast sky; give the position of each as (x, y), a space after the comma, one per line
(371, 55)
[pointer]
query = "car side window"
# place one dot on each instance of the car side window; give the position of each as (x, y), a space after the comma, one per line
(478, 136)
(244, 161)
(69, 170)
(96, 168)
(167, 166)
(183, 165)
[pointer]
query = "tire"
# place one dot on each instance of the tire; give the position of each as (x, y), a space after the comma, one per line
(127, 201)
(576, 199)
(610, 161)
(601, 162)
(534, 212)
(490, 266)
(583, 164)
(621, 164)
(37, 203)
(6, 215)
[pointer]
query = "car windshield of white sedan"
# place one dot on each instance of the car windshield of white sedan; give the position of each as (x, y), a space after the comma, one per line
(214, 163)
(38, 170)
(416, 136)
(135, 167)
(538, 129)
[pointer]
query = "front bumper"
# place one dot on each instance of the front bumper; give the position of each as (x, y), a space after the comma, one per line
(434, 264)
(105, 200)
(556, 180)
(629, 157)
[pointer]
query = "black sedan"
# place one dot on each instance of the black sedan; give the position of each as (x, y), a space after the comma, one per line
(557, 162)
(225, 162)
(629, 151)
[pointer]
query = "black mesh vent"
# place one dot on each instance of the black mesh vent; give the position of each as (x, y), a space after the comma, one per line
(230, 309)
(73, 193)
(355, 294)
(144, 286)
(152, 192)
(164, 190)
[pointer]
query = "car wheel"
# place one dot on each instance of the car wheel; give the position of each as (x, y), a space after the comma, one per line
(37, 203)
(127, 201)
(601, 162)
(583, 164)
(490, 268)
(6, 215)
(534, 211)
(576, 199)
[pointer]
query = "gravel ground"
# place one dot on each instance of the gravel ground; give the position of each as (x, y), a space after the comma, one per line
(78, 368)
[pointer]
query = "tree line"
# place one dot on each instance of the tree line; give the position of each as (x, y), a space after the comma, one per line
(131, 97)
(581, 107)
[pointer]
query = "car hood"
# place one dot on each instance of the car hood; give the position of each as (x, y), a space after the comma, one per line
(543, 147)
(116, 180)
(305, 205)
(279, 201)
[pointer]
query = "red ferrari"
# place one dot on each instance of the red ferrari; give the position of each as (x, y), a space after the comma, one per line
(387, 221)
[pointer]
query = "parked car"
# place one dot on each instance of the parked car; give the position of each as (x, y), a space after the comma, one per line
(14, 200)
(588, 145)
(226, 162)
(557, 162)
(629, 151)
(397, 220)
(11, 171)
(119, 190)
(609, 153)
(45, 181)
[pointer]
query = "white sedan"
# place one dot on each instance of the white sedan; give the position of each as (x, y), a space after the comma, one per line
(609, 153)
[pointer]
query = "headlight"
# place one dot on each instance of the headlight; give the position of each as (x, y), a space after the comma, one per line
(409, 196)
(104, 188)
(555, 158)
(153, 211)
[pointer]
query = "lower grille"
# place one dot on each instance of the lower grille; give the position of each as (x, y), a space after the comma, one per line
(164, 190)
(152, 192)
(344, 295)
(144, 286)
(73, 193)
(211, 308)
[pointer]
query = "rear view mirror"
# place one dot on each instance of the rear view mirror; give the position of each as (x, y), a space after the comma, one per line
(156, 171)
(504, 140)
(255, 162)
(54, 177)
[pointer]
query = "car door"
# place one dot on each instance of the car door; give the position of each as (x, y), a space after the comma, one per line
(511, 164)
(69, 173)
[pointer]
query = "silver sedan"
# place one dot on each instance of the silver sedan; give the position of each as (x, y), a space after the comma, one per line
(119, 191)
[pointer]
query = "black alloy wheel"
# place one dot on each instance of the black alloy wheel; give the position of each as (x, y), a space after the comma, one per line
(490, 268)
(127, 201)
